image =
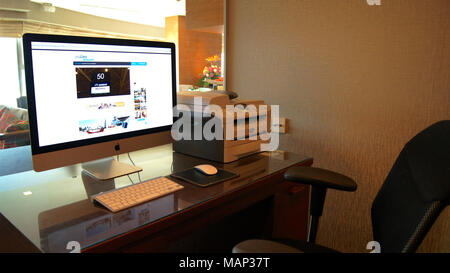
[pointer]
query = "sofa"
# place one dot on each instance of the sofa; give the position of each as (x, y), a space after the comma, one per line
(14, 127)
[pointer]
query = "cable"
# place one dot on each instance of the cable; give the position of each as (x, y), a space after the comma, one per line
(131, 159)
(139, 175)
(131, 180)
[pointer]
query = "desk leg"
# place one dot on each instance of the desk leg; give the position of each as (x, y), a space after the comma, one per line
(290, 211)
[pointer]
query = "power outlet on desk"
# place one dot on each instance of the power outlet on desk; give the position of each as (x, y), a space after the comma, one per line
(282, 126)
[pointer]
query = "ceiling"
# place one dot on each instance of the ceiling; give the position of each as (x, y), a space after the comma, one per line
(148, 12)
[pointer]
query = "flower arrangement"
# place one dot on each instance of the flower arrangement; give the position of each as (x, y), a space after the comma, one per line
(211, 71)
(213, 59)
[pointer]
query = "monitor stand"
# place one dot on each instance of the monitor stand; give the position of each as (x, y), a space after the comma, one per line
(109, 168)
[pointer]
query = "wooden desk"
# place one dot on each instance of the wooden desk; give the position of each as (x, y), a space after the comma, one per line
(257, 204)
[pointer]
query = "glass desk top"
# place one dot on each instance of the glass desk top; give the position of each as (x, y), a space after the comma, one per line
(52, 208)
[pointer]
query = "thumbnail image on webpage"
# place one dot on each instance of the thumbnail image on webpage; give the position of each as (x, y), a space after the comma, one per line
(102, 81)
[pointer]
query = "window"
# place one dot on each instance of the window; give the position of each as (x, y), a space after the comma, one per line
(9, 71)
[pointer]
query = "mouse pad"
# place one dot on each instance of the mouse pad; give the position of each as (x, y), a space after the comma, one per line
(195, 177)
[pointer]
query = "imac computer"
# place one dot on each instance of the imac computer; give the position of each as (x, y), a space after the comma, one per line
(94, 98)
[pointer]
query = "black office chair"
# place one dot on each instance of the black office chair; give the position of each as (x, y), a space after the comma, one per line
(411, 198)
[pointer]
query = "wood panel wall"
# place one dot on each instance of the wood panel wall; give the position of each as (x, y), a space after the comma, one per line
(357, 82)
(205, 15)
(193, 48)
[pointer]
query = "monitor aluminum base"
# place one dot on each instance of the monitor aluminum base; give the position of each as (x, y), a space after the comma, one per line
(109, 168)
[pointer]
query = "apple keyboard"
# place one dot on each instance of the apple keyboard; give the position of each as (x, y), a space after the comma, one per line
(129, 196)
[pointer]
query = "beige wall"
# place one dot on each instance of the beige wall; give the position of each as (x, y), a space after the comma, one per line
(357, 82)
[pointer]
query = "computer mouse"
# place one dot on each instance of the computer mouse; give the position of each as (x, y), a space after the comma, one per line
(206, 169)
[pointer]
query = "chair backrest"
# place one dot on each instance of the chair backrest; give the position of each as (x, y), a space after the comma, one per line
(415, 191)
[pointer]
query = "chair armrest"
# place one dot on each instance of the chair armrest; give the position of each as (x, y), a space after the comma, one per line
(321, 178)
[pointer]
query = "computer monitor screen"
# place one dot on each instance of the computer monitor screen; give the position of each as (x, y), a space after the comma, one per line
(90, 98)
